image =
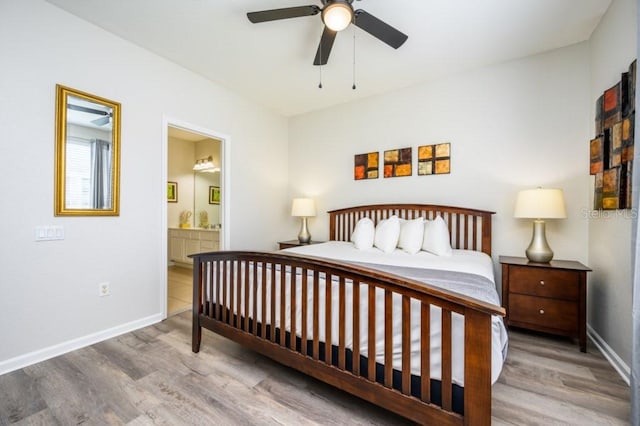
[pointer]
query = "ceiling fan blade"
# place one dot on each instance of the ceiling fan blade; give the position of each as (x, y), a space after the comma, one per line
(85, 109)
(324, 47)
(379, 29)
(101, 121)
(287, 12)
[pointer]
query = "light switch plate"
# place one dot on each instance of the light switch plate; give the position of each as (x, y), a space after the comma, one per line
(49, 233)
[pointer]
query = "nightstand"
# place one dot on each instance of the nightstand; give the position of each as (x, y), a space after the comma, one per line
(295, 243)
(548, 297)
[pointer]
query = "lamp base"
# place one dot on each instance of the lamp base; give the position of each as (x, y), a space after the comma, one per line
(539, 250)
(304, 236)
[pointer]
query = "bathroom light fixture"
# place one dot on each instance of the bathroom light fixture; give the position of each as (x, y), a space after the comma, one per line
(304, 208)
(338, 15)
(205, 165)
(540, 204)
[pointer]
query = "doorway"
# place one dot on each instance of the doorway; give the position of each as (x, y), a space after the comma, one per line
(195, 217)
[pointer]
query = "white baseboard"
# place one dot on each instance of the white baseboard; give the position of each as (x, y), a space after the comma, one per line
(618, 364)
(40, 355)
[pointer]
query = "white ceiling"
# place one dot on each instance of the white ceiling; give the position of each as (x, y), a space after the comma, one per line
(271, 63)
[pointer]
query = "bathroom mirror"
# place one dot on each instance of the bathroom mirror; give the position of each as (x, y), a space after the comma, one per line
(87, 157)
(203, 201)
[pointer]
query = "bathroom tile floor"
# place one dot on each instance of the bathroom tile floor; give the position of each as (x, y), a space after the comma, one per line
(179, 289)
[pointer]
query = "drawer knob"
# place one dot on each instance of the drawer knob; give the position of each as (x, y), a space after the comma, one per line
(541, 311)
(541, 282)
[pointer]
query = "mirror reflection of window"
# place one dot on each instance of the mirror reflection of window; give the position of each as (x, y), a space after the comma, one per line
(88, 181)
(87, 154)
(88, 157)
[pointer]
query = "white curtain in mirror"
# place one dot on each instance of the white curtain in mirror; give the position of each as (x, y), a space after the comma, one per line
(101, 174)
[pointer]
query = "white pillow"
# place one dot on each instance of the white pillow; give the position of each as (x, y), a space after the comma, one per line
(363, 234)
(387, 234)
(411, 235)
(436, 237)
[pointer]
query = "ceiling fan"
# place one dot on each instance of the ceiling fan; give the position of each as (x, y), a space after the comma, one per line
(336, 16)
(101, 121)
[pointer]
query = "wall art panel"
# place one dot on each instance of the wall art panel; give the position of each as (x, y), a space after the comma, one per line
(366, 166)
(611, 151)
(397, 162)
(434, 159)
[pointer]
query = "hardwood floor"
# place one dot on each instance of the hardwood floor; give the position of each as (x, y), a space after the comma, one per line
(150, 376)
(548, 381)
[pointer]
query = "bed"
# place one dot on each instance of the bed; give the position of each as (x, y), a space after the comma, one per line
(399, 330)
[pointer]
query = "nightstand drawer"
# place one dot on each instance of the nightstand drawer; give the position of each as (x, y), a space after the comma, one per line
(554, 283)
(549, 313)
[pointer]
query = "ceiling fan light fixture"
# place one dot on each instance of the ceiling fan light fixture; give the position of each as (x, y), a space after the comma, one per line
(338, 15)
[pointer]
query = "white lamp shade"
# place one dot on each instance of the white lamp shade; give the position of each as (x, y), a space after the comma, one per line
(540, 204)
(303, 207)
(337, 16)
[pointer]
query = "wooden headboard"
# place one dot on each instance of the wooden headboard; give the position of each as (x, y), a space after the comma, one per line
(469, 228)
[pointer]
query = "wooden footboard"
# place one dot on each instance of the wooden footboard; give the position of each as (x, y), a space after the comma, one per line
(279, 304)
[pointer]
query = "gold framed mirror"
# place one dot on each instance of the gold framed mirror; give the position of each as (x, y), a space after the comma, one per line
(87, 157)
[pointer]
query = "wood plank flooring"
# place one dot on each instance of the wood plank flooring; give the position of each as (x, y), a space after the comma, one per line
(150, 376)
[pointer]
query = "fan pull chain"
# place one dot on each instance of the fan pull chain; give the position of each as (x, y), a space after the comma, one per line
(320, 66)
(354, 60)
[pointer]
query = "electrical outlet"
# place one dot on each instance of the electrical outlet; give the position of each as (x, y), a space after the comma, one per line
(104, 289)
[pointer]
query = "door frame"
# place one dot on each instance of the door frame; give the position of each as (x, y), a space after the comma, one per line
(225, 196)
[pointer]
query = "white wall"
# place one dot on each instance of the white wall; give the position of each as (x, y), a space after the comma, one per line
(48, 290)
(612, 47)
(511, 126)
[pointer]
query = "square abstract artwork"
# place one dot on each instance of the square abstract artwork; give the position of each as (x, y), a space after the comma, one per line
(366, 166)
(434, 159)
(397, 162)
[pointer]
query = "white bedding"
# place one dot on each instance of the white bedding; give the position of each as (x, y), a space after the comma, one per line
(473, 262)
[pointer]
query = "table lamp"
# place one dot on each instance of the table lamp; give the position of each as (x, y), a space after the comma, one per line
(540, 204)
(304, 208)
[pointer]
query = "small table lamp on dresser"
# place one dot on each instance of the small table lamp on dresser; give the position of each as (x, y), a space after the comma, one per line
(304, 208)
(538, 293)
(540, 204)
